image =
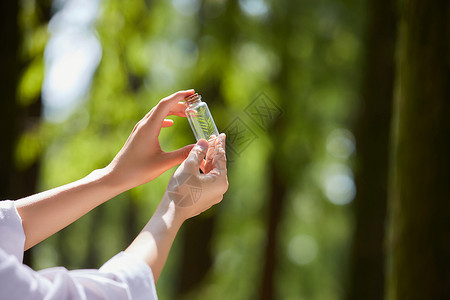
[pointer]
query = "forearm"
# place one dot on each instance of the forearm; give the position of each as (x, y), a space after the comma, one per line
(154, 242)
(48, 212)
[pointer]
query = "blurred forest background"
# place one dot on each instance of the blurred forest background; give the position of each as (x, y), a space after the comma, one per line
(337, 117)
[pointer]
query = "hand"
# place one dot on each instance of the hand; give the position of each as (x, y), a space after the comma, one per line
(141, 159)
(192, 192)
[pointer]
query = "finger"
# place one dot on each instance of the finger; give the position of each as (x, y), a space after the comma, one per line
(178, 109)
(202, 166)
(212, 142)
(165, 105)
(167, 123)
(220, 159)
(178, 156)
(149, 113)
(195, 157)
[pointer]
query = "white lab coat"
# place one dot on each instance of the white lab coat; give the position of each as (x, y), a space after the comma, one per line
(122, 277)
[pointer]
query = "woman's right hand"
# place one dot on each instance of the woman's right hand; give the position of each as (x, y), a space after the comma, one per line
(191, 192)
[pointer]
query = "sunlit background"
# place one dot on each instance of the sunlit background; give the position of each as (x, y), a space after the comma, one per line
(289, 205)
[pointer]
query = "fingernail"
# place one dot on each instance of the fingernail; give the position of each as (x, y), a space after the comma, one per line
(202, 143)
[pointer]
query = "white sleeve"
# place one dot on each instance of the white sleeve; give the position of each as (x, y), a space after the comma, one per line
(122, 277)
(12, 237)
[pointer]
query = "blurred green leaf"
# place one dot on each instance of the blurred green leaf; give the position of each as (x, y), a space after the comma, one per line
(31, 82)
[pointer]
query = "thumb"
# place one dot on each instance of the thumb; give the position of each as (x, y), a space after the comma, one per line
(196, 155)
(178, 156)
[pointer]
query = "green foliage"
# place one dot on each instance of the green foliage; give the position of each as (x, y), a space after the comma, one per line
(31, 82)
(207, 125)
(28, 149)
(30, 143)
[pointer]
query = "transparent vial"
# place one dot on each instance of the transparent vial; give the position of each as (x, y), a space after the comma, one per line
(200, 118)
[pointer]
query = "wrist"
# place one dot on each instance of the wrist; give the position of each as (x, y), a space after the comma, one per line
(171, 214)
(105, 177)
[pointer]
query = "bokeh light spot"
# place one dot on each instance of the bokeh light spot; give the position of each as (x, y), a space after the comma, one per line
(302, 249)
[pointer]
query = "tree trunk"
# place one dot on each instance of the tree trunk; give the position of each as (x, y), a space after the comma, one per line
(419, 257)
(9, 56)
(372, 130)
(196, 257)
(16, 119)
(276, 205)
(280, 183)
(197, 234)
